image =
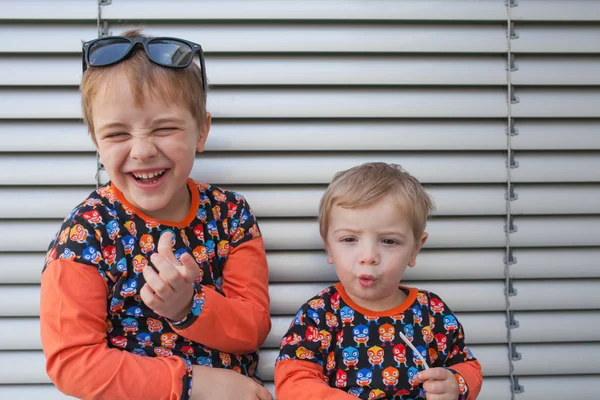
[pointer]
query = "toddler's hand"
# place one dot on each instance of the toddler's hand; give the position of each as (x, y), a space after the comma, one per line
(439, 383)
(218, 383)
(169, 292)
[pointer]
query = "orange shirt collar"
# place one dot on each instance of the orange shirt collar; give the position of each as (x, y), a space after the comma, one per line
(194, 204)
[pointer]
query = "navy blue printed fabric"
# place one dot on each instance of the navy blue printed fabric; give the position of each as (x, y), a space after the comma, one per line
(105, 233)
(364, 355)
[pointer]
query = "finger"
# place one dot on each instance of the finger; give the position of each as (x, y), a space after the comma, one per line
(190, 270)
(431, 373)
(157, 284)
(264, 394)
(149, 297)
(165, 247)
(167, 271)
(434, 387)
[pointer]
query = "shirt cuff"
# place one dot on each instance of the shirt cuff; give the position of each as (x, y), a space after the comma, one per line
(186, 386)
(463, 389)
(195, 310)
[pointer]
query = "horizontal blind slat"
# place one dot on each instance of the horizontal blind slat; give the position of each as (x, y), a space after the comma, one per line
(284, 201)
(374, 10)
(494, 388)
(319, 135)
(480, 328)
(286, 234)
(274, 37)
(432, 264)
(280, 234)
(276, 70)
(223, 169)
(289, 103)
(23, 300)
(556, 38)
(28, 366)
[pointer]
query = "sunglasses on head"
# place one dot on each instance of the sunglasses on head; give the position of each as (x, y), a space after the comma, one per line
(165, 51)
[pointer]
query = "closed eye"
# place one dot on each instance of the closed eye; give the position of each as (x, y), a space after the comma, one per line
(166, 129)
(116, 135)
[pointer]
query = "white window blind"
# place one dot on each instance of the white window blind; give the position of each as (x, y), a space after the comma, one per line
(301, 90)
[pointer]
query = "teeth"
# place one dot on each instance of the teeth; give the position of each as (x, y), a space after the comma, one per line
(148, 175)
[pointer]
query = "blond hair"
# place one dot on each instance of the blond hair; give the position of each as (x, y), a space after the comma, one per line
(364, 185)
(146, 79)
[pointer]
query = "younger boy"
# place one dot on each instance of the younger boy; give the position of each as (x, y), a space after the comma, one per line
(367, 336)
(155, 286)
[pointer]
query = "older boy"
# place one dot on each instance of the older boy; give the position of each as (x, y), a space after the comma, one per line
(155, 286)
(367, 336)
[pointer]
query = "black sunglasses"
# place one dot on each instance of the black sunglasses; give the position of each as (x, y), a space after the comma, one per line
(165, 51)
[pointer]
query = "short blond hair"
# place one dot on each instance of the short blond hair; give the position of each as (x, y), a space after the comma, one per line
(364, 185)
(146, 78)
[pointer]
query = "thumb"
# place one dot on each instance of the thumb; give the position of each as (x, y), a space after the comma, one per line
(189, 269)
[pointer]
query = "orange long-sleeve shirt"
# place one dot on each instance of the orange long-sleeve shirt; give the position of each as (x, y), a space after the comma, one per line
(297, 379)
(102, 342)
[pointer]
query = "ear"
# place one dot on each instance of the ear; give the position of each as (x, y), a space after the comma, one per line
(203, 134)
(413, 258)
(329, 258)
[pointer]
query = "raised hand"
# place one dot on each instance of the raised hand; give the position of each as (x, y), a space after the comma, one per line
(439, 383)
(170, 291)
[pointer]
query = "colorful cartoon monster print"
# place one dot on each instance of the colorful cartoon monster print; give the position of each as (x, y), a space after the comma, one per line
(130, 326)
(390, 377)
(376, 358)
(347, 314)
(417, 315)
(341, 378)
(437, 306)
(386, 334)
(331, 320)
(450, 323)
(361, 335)
(399, 352)
(113, 229)
(350, 357)
(364, 377)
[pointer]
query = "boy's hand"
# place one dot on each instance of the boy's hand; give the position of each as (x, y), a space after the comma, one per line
(170, 291)
(439, 383)
(218, 383)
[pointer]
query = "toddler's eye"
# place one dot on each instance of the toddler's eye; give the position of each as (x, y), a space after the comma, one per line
(348, 240)
(389, 241)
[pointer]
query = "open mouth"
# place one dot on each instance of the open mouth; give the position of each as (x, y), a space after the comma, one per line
(149, 177)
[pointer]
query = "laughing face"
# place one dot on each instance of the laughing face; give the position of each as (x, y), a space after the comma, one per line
(147, 149)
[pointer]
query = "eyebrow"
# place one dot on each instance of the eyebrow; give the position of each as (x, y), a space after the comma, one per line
(112, 125)
(349, 230)
(162, 120)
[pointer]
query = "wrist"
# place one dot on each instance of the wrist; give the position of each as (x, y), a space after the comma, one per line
(182, 315)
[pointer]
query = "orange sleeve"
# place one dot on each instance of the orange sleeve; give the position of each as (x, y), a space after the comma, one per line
(73, 331)
(297, 379)
(238, 322)
(471, 373)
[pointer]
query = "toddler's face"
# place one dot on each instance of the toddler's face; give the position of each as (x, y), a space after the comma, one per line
(370, 248)
(148, 151)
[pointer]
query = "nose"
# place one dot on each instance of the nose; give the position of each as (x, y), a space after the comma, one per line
(143, 149)
(369, 254)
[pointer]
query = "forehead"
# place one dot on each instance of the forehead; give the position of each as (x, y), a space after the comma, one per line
(118, 98)
(384, 214)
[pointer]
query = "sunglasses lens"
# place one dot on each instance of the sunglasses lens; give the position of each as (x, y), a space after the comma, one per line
(107, 51)
(170, 52)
